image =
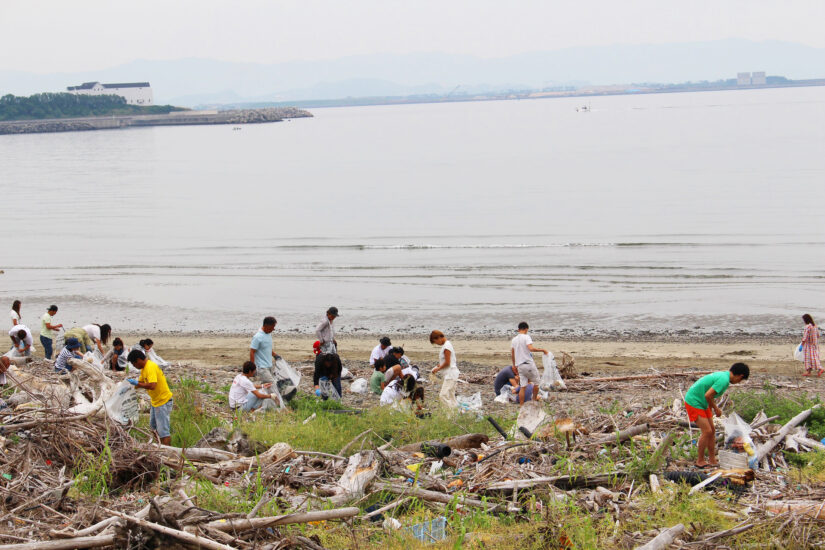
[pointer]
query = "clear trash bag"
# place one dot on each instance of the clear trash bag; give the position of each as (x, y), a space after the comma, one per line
(551, 379)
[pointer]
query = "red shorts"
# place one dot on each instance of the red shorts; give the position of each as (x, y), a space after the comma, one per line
(694, 413)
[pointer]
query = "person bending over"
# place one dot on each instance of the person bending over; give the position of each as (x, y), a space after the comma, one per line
(381, 350)
(327, 367)
(69, 351)
(21, 340)
(154, 382)
(99, 335)
(700, 402)
(115, 358)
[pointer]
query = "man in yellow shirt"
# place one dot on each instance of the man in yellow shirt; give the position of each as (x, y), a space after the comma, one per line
(152, 379)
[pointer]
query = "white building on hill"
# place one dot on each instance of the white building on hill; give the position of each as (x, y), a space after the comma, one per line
(135, 93)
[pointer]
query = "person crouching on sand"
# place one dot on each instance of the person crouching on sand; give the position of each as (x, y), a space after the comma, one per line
(154, 382)
(246, 395)
(700, 402)
(446, 362)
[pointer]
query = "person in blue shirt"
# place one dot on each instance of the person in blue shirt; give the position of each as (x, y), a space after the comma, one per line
(261, 352)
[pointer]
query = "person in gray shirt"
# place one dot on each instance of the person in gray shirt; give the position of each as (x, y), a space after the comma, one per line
(326, 332)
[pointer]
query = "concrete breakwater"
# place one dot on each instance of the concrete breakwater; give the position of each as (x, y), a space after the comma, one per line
(178, 118)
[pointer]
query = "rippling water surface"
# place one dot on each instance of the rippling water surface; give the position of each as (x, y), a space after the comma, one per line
(680, 212)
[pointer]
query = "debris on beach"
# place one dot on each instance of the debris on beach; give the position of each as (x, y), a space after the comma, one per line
(57, 433)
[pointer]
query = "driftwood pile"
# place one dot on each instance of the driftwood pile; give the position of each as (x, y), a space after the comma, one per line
(47, 452)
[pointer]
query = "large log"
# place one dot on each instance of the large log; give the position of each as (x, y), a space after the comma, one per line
(445, 498)
(277, 453)
(466, 441)
(768, 446)
(243, 524)
(663, 539)
(198, 542)
(810, 508)
(565, 482)
(620, 436)
(199, 454)
(99, 541)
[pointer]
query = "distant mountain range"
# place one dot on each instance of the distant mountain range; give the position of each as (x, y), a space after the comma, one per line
(191, 82)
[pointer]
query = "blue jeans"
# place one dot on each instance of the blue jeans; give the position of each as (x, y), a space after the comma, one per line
(47, 346)
(160, 419)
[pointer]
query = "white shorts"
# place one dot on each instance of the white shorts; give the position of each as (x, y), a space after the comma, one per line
(527, 372)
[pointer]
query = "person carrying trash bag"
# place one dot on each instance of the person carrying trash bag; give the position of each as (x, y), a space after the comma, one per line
(325, 331)
(446, 362)
(154, 382)
(261, 352)
(521, 352)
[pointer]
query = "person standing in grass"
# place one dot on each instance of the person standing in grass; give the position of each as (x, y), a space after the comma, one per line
(325, 332)
(700, 402)
(446, 362)
(261, 352)
(47, 331)
(810, 346)
(521, 353)
(154, 382)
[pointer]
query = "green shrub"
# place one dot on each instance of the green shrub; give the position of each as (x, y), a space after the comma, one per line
(749, 403)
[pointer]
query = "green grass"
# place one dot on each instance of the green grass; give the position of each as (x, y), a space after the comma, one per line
(749, 403)
(93, 472)
(190, 421)
(329, 432)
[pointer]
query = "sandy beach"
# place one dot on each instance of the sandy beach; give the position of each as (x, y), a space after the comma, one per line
(596, 357)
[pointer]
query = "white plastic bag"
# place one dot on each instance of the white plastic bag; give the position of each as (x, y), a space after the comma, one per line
(326, 387)
(471, 403)
(798, 354)
(94, 358)
(735, 427)
(122, 406)
(551, 379)
(504, 394)
(284, 371)
(359, 385)
(153, 356)
(346, 374)
(58, 342)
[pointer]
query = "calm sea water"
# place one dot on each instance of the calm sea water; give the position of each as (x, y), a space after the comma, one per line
(683, 212)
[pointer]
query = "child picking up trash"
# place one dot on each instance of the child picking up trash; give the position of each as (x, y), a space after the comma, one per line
(700, 402)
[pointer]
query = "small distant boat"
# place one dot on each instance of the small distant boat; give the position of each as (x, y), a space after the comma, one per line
(237, 128)
(584, 109)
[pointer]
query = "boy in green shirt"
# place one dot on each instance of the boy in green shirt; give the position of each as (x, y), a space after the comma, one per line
(378, 377)
(700, 402)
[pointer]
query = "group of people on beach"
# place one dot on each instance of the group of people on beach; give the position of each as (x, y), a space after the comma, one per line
(93, 338)
(395, 380)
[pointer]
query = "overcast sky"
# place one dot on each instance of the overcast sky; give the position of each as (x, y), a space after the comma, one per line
(47, 36)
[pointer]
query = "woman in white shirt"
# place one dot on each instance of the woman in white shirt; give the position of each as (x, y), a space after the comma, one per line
(447, 363)
(15, 313)
(99, 334)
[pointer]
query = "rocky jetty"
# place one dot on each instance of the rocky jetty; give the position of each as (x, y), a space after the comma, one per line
(179, 118)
